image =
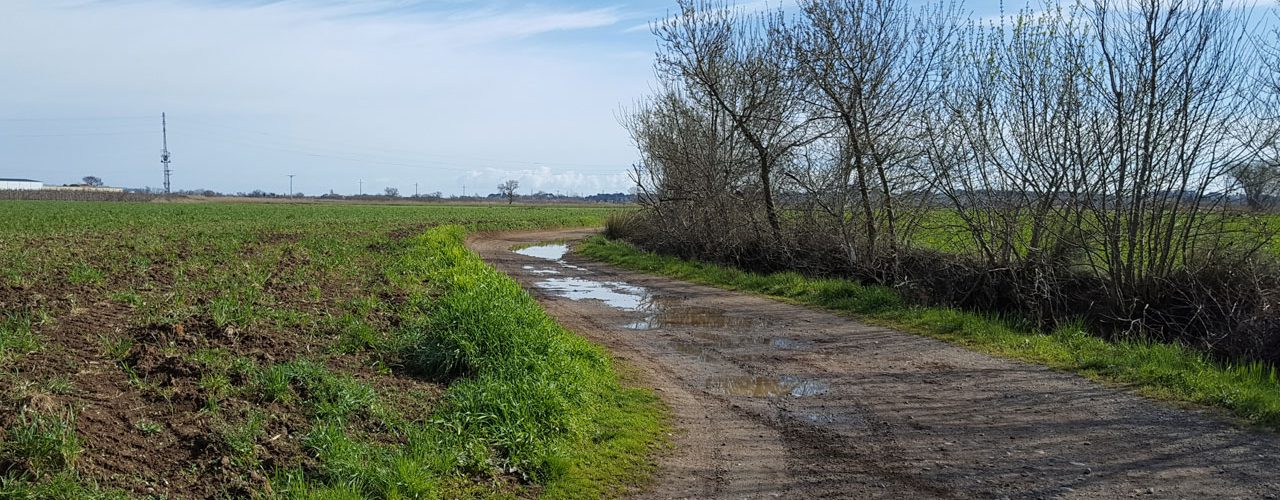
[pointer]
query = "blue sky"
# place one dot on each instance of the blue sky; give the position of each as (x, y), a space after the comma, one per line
(445, 93)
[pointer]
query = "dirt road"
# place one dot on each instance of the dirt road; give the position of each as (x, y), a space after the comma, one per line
(775, 400)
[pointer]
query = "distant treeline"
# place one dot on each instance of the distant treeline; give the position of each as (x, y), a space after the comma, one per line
(1097, 159)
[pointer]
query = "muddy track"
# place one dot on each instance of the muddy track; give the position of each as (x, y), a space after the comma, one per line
(775, 400)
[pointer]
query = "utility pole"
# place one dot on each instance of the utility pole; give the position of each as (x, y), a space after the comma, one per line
(415, 190)
(361, 187)
(164, 152)
(464, 190)
(291, 185)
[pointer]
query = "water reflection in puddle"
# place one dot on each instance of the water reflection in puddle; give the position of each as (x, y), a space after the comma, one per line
(659, 311)
(613, 293)
(534, 270)
(766, 387)
(549, 252)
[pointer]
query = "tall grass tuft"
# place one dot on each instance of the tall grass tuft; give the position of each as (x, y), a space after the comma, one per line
(39, 445)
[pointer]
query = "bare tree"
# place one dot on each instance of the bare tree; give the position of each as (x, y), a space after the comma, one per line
(391, 192)
(508, 190)
(875, 66)
(1171, 75)
(1101, 132)
(734, 63)
(92, 181)
(1010, 147)
(1260, 182)
(693, 173)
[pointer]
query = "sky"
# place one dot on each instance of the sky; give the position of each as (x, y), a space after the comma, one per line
(453, 96)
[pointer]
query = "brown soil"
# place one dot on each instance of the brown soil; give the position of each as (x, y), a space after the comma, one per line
(775, 400)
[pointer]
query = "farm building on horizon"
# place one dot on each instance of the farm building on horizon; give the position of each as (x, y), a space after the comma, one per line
(20, 184)
(34, 185)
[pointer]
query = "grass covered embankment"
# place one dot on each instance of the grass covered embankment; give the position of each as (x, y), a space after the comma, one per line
(1251, 391)
(284, 351)
(525, 395)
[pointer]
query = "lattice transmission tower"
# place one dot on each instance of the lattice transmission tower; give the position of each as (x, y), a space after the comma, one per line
(164, 152)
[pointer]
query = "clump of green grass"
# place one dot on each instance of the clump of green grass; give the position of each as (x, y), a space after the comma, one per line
(82, 273)
(236, 307)
(355, 334)
(272, 384)
(216, 387)
(60, 385)
(1250, 390)
(38, 456)
(115, 347)
(40, 445)
(327, 395)
(17, 335)
(240, 437)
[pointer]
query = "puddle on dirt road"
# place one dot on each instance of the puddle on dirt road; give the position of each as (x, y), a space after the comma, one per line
(534, 270)
(549, 252)
(660, 315)
(659, 311)
(613, 293)
(766, 387)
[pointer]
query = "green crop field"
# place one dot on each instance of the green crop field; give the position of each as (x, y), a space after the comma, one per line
(336, 351)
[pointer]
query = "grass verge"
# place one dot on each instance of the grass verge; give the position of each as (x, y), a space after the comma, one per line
(1249, 390)
(526, 398)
